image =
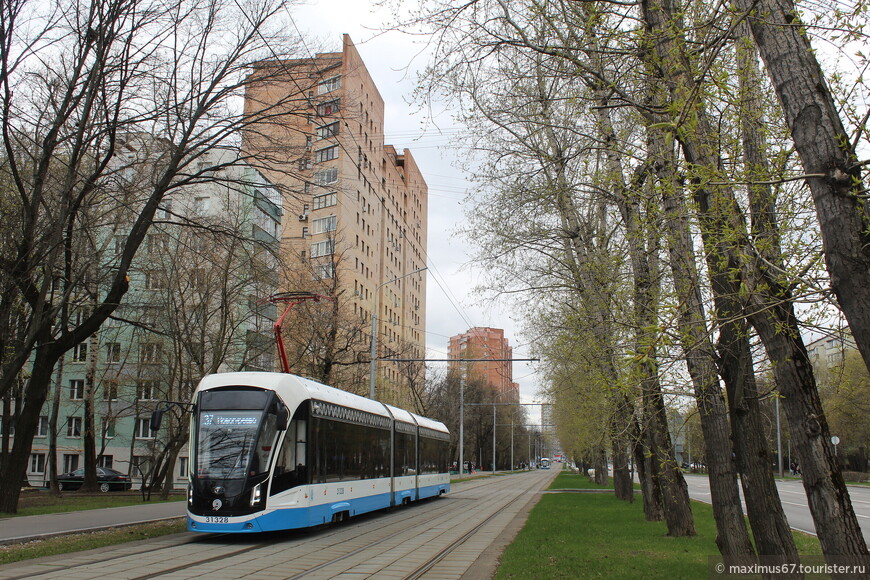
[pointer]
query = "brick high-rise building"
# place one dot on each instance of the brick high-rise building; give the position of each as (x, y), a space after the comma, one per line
(355, 207)
(485, 343)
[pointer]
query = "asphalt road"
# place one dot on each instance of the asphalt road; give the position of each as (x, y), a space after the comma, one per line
(21, 528)
(794, 502)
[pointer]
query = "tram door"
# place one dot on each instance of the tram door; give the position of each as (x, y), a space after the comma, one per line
(291, 467)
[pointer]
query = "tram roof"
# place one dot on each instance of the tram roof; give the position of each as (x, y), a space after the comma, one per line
(293, 389)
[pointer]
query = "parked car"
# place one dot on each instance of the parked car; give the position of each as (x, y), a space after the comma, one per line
(108, 480)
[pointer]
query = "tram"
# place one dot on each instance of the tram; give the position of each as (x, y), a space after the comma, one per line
(274, 451)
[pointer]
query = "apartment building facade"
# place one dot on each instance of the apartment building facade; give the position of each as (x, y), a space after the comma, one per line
(194, 307)
(356, 210)
(485, 343)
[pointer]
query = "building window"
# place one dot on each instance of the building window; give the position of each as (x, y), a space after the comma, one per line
(326, 177)
(37, 463)
(327, 131)
(324, 271)
(326, 154)
(110, 391)
(70, 462)
(182, 467)
(73, 426)
(150, 352)
(157, 244)
(325, 200)
(113, 352)
(155, 280)
(142, 464)
(105, 461)
(42, 427)
(76, 389)
(329, 85)
(324, 248)
(165, 209)
(146, 390)
(327, 108)
(200, 205)
(143, 428)
(108, 428)
(80, 352)
(198, 279)
(323, 225)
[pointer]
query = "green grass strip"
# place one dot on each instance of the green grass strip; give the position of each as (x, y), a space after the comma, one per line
(592, 535)
(89, 540)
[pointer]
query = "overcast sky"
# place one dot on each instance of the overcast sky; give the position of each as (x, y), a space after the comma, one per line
(392, 60)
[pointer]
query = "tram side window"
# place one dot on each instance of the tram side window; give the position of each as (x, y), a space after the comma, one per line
(348, 451)
(433, 455)
(265, 445)
(290, 468)
(405, 460)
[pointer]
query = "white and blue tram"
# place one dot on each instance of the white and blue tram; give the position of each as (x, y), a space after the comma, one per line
(273, 451)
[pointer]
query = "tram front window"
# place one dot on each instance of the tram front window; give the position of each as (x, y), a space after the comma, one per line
(236, 433)
(226, 439)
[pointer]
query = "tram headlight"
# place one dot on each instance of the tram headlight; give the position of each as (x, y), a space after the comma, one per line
(256, 494)
(189, 494)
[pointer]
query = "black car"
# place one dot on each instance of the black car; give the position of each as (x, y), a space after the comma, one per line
(108, 479)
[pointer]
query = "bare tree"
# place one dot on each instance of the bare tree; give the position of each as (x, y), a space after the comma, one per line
(78, 81)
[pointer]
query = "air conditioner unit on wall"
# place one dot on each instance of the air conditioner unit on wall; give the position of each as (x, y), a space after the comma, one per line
(303, 217)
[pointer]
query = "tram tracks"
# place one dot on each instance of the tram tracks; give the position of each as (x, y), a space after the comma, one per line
(407, 542)
(488, 506)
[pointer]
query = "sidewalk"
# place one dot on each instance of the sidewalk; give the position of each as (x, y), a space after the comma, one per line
(20, 529)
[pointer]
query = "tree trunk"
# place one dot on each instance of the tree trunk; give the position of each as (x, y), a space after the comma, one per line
(770, 527)
(824, 150)
(52, 430)
(834, 176)
(25, 427)
(675, 492)
(770, 309)
(828, 498)
(620, 440)
(89, 433)
(653, 510)
(601, 476)
(732, 538)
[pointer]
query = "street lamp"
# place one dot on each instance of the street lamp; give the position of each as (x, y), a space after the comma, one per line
(374, 342)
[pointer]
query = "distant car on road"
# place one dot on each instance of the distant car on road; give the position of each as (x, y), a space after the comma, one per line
(108, 480)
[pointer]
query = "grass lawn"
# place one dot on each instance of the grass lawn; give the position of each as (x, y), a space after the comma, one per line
(586, 535)
(65, 544)
(39, 502)
(566, 480)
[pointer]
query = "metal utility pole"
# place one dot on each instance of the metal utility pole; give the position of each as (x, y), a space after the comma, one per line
(461, 424)
(493, 437)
